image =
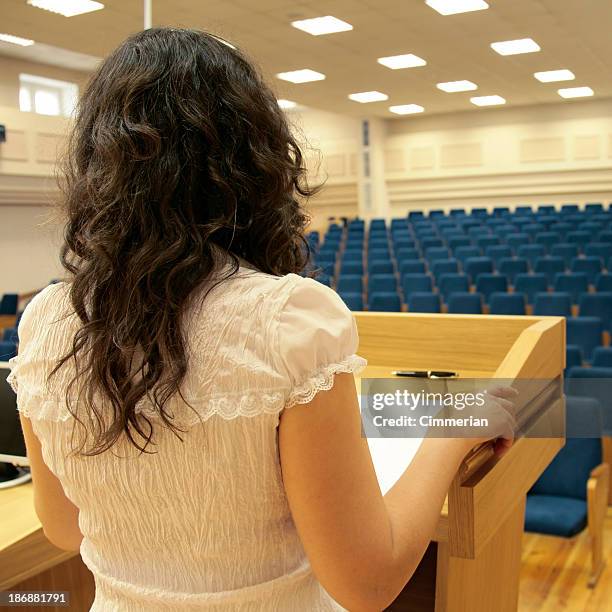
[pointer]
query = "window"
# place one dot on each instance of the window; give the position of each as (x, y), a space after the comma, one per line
(47, 96)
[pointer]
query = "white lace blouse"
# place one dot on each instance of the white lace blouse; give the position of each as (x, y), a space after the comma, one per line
(201, 523)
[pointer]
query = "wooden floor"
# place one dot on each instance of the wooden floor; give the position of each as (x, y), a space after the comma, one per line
(554, 574)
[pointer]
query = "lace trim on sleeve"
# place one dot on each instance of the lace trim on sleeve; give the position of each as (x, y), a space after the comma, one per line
(323, 379)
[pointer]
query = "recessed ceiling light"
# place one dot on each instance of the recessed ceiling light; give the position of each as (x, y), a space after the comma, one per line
(322, 25)
(453, 86)
(285, 104)
(452, 7)
(406, 109)
(16, 40)
(514, 47)
(301, 76)
(575, 92)
(408, 60)
(368, 96)
(67, 8)
(550, 76)
(487, 100)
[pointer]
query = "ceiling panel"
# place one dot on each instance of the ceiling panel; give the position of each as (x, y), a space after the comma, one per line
(573, 34)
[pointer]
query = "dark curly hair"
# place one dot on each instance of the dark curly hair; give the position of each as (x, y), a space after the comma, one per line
(179, 153)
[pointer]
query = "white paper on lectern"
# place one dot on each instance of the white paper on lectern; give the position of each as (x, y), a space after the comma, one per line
(391, 457)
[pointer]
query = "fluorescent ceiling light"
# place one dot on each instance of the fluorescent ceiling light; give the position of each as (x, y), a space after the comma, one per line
(452, 7)
(67, 8)
(453, 86)
(487, 100)
(395, 62)
(16, 40)
(576, 92)
(368, 96)
(301, 76)
(550, 76)
(322, 25)
(285, 104)
(406, 109)
(514, 47)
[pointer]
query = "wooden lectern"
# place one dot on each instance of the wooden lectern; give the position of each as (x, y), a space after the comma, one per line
(473, 563)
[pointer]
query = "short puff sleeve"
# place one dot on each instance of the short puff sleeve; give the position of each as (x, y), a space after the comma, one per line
(317, 338)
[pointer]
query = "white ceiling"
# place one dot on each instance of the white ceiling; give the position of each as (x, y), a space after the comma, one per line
(574, 34)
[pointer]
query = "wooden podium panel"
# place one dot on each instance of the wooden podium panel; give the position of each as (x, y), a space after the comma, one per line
(473, 563)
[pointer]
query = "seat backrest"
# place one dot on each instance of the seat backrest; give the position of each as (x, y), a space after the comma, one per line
(602, 357)
(8, 304)
(380, 266)
(568, 473)
(452, 283)
(465, 303)
(557, 304)
(507, 303)
(488, 282)
(350, 283)
(574, 283)
(530, 285)
(415, 282)
(422, 301)
(585, 332)
(354, 301)
(597, 305)
(385, 301)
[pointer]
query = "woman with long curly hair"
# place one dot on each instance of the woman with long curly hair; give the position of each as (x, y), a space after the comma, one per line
(187, 397)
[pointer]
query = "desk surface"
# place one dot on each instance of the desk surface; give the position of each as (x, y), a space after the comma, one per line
(19, 519)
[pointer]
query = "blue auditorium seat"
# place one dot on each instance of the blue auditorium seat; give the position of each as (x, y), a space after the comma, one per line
(580, 238)
(350, 283)
(465, 303)
(546, 208)
(405, 254)
(473, 266)
(380, 266)
(351, 268)
(324, 279)
(415, 282)
(553, 305)
(574, 283)
(416, 214)
(531, 252)
(523, 210)
(556, 504)
(488, 283)
(573, 356)
(603, 282)
(597, 305)
(381, 283)
(436, 253)
(8, 304)
(593, 227)
(379, 254)
(510, 267)
(8, 350)
(533, 229)
(422, 301)
(353, 255)
(501, 303)
(436, 213)
(599, 249)
(487, 241)
(585, 332)
(605, 236)
(569, 208)
(354, 301)
(464, 252)
(403, 243)
(602, 357)
(411, 266)
(457, 212)
(377, 224)
(566, 251)
(548, 239)
(501, 211)
(562, 228)
(385, 301)
(498, 252)
(428, 243)
(517, 240)
(456, 241)
(480, 212)
(530, 285)
(453, 283)
(594, 383)
(550, 266)
(444, 266)
(10, 335)
(381, 244)
(593, 207)
(591, 266)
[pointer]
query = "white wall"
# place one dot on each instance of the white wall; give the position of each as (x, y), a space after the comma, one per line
(29, 248)
(556, 153)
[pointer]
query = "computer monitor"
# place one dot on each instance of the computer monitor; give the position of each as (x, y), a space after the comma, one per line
(12, 445)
